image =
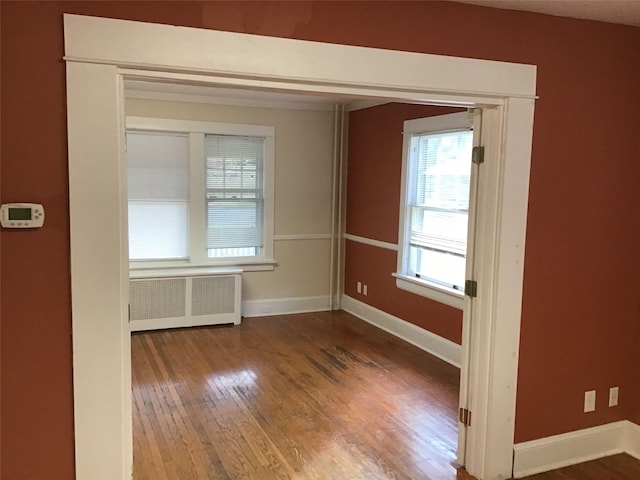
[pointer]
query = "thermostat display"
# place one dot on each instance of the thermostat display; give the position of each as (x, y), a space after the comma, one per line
(22, 215)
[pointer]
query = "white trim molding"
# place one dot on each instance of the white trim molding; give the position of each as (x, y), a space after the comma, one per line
(632, 440)
(430, 290)
(183, 272)
(302, 236)
(283, 306)
(196, 126)
(571, 448)
(152, 46)
(138, 92)
(372, 242)
(102, 53)
(428, 341)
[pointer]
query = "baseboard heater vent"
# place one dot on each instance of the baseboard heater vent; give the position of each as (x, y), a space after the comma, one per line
(184, 301)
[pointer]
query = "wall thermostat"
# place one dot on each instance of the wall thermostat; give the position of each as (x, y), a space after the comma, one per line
(22, 215)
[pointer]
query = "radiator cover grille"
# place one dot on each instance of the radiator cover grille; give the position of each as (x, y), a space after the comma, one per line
(158, 298)
(184, 301)
(212, 295)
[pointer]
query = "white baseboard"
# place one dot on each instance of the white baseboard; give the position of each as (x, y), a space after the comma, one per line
(282, 306)
(559, 451)
(436, 345)
(632, 440)
(182, 322)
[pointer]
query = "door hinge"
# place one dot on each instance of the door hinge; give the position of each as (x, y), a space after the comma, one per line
(477, 155)
(465, 417)
(471, 288)
(129, 308)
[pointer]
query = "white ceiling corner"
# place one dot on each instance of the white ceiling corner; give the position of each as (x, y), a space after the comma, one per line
(626, 12)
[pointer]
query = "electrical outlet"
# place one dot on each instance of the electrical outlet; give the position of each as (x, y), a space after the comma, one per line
(364, 290)
(589, 401)
(359, 287)
(613, 396)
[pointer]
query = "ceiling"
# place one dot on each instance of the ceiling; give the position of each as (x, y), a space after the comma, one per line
(626, 12)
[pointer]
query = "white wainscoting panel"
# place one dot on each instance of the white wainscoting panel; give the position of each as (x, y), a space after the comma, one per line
(436, 345)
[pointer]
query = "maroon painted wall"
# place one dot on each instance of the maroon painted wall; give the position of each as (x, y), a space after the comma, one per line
(581, 312)
(373, 205)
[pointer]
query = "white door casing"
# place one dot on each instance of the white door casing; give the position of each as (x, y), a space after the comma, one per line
(101, 52)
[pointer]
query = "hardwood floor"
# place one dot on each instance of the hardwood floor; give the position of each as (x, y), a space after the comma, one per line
(316, 396)
(312, 396)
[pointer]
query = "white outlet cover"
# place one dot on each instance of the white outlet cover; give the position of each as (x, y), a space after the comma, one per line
(589, 401)
(613, 396)
(359, 287)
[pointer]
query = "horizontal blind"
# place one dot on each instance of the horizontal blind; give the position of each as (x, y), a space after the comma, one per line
(439, 231)
(439, 203)
(234, 191)
(158, 190)
(439, 206)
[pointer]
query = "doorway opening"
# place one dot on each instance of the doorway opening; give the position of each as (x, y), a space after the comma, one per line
(99, 263)
(149, 104)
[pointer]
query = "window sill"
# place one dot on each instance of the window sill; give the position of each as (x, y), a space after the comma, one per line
(438, 293)
(185, 269)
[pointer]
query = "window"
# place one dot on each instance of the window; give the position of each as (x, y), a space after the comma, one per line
(435, 208)
(235, 195)
(199, 193)
(158, 182)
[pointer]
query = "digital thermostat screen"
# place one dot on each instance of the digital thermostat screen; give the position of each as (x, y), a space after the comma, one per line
(19, 214)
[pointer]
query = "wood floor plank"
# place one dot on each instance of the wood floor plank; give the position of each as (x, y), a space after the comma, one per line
(311, 396)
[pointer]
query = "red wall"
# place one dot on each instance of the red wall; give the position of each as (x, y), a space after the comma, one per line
(373, 205)
(581, 312)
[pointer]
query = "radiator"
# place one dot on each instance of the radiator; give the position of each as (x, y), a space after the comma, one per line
(184, 301)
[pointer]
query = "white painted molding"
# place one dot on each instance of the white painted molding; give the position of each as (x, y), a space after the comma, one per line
(571, 448)
(428, 341)
(231, 101)
(632, 440)
(302, 236)
(372, 242)
(187, 126)
(182, 322)
(431, 291)
(283, 306)
(149, 46)
(101, 53)
(182, 272)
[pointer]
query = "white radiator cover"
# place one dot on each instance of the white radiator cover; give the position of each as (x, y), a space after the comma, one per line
(184, 301)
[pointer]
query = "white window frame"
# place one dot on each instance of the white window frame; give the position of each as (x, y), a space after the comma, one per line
(197, 250)
(419, 286)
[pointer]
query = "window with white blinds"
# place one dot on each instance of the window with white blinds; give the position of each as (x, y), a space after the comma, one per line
(158, 185)
(434, 211)
(439, 206)
(200, 193)
(234, 195)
